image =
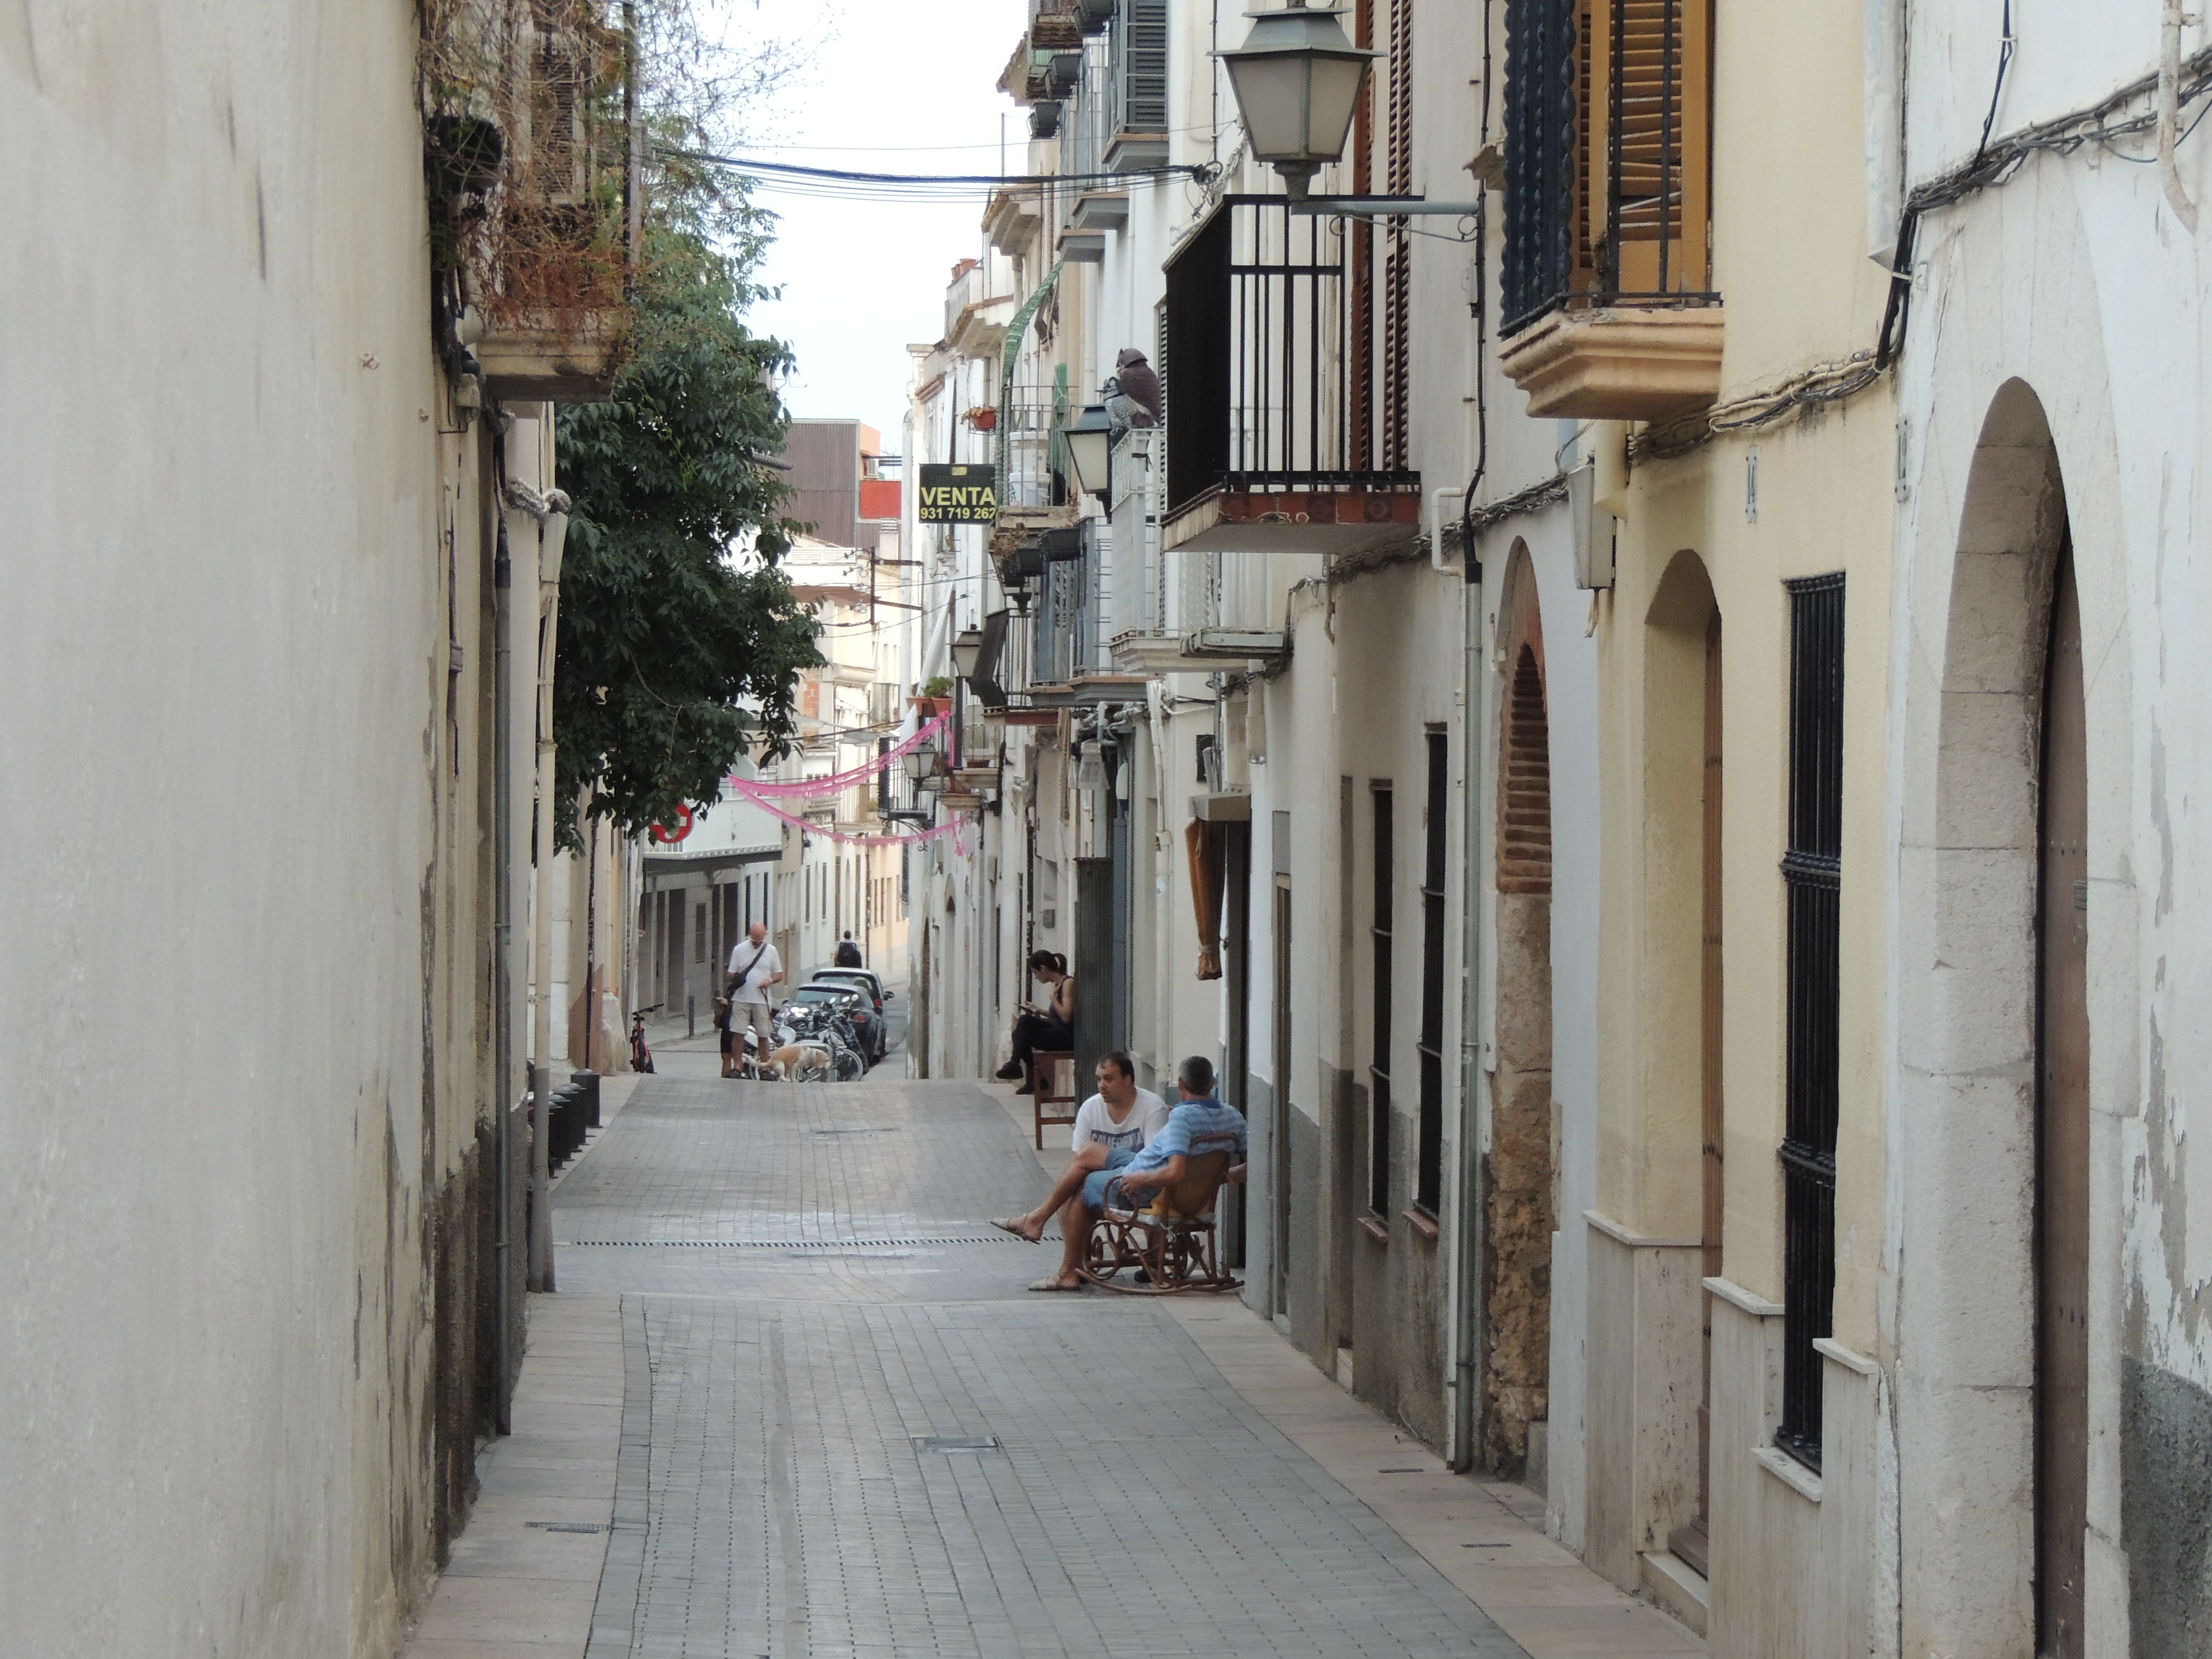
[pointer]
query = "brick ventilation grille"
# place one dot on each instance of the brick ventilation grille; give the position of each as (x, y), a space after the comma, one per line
(1524, 842)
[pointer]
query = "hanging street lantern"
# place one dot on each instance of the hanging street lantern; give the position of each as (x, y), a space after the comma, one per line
(1089, 442)
(1297, 79)
(967, 652)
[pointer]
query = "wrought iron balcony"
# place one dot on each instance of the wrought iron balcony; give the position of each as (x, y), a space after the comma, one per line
(529, 129)
(1270, 426)
(1610, 310)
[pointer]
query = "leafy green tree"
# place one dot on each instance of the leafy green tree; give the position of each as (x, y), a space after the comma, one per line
(663, 633)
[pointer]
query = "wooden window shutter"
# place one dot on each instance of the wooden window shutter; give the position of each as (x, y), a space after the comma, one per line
(1397, 281)
(1649, 68)
(1141, 30)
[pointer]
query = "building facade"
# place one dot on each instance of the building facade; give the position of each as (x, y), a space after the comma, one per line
(1634, 714)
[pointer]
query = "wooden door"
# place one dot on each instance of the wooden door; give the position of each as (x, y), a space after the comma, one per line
(2061, 1212)
(1691, 1541)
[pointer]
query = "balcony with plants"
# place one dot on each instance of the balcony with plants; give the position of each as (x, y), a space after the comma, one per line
(1610, 311)
(528, 111)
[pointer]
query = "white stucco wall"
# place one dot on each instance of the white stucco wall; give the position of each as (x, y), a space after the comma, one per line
(224, 607)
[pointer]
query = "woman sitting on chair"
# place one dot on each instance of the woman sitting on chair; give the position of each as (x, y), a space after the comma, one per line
(1051, 1028)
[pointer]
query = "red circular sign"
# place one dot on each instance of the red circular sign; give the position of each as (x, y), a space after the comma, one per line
(668, 837)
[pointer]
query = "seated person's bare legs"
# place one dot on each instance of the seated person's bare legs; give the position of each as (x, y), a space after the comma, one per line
(1031, 1223)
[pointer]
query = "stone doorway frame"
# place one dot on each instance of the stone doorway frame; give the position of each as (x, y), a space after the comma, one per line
(1960, 1257)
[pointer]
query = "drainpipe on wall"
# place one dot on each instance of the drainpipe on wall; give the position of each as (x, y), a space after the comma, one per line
(525, 512)
(1467, 1311)
(502, 981)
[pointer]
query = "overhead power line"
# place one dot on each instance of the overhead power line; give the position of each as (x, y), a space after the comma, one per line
(915, 186)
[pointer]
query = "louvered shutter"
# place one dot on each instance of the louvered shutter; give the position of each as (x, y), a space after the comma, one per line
(1652, 59)
(1141, 34)
(1397, 265)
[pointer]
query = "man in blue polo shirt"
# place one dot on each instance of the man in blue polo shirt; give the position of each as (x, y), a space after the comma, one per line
(1199, 1126)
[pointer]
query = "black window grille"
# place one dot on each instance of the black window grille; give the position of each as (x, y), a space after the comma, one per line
(1428, 1185)
(1811, 875)
(1378, 1122)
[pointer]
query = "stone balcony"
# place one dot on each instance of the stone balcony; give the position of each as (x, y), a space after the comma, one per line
(1618, 362)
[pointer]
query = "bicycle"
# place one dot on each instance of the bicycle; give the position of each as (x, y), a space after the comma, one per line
(640, 1055)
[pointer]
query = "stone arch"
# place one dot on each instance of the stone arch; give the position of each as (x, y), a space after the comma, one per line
(1519, 1183)
(1969, 990)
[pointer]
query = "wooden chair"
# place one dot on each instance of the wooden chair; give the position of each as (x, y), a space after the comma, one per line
(1171, 1239)
(1054, 1099)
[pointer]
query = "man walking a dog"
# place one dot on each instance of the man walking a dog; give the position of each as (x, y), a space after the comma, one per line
(754, 966)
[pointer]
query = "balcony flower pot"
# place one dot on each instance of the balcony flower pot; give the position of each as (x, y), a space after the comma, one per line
(983, 417)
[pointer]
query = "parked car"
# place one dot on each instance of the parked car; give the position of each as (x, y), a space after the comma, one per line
(868, 984)
(867, 976)
(863, 1022)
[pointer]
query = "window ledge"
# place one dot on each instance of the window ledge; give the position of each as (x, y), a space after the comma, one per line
(1844, 1356)
(1375, 1228)
(1750, 1301)
(1789, 1472)
(1424, 1224)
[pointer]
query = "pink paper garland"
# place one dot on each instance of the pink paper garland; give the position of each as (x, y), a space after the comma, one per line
(814, 788)
(956, 828)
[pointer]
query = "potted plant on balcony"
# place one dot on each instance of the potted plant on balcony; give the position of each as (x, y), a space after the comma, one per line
(983, 417)
(527, 136)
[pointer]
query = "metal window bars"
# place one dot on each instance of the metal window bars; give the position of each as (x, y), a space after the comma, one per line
(1812, 879)
(1428, 1179)
(1258, 324)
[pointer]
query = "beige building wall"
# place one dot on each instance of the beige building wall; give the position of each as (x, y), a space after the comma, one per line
(1724, 527)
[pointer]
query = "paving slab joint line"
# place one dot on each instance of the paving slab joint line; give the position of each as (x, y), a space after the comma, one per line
(614, 1611)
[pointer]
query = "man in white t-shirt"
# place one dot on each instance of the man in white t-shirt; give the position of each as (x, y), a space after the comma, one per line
(754, 966)
(1119, 1118)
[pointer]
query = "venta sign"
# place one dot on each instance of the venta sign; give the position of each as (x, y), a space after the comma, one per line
(960, 493)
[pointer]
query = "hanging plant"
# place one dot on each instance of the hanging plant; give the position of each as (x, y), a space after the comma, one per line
(982, 417)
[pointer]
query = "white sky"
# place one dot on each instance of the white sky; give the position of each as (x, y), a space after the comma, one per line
(897, 87)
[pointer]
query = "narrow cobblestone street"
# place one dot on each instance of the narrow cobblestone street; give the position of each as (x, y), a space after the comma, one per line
(846, 1429)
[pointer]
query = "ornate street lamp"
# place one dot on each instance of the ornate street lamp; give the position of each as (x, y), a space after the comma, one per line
(1297, 79)
(1089, 439)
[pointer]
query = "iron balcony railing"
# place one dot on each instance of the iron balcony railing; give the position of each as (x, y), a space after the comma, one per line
(1086, 125)
(1260, 323)
(1065, 643)
(1607, 154)
(1032, 462)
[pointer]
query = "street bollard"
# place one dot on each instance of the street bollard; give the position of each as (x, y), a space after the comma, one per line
(588, 1089)
(690, 1015)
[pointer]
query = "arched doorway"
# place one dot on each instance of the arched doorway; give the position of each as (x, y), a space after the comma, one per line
(1518, 1181)
(1682, 1094)
(1993, 1323)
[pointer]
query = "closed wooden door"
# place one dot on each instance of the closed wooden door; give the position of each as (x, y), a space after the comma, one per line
(2062, 1215)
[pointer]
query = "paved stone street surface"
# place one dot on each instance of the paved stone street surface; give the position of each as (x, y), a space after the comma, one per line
(810, 1305)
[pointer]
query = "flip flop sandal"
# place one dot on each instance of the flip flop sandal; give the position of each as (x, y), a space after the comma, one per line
(1012, 1224)
(1054, 1284)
